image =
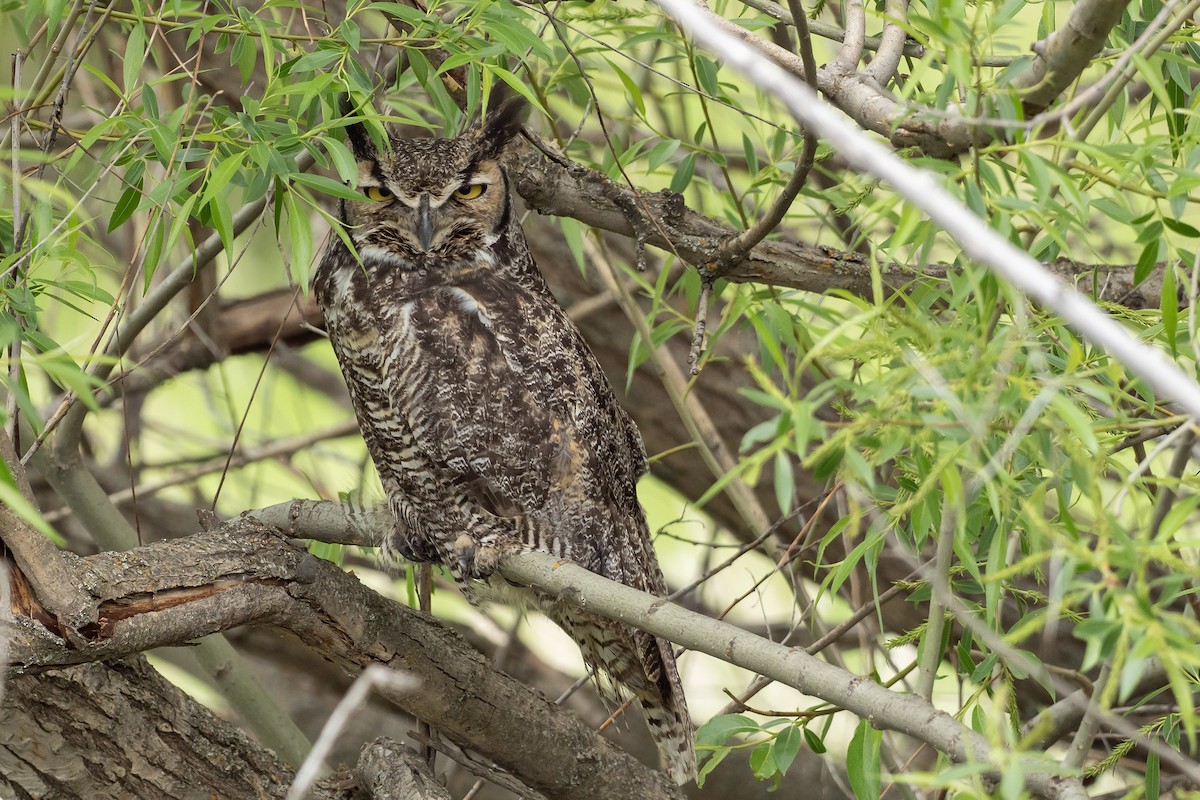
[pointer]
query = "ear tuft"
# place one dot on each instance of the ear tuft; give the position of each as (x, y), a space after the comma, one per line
(503, 122)
(356, 132)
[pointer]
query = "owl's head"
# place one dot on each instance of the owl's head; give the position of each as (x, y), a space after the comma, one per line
(428, 199)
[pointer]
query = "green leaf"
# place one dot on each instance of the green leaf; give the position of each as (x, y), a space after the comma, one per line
(1146, 261)
(300, 236)
(1153, 776)
(326, 185)
(519, 87)
(127, 203)
(220, 177)
(1169, 304)
(862, 761)
(631, 88)
(135, 58)
(1180, 227)
(573, 234)
(684, 173)
(222, 221)
(785, 481)
(343, 160)
(660, 153)
(785, 747)
(717, 730)
(1077, 421)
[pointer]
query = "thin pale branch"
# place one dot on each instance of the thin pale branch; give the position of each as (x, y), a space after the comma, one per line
(905, 713)
(883, 66)
(922, 189)
(793, 667)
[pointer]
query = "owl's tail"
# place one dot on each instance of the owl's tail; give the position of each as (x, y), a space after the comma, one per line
(666, 709)
(643, 665)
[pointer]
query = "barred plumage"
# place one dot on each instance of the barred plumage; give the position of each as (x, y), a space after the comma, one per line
(488, 418)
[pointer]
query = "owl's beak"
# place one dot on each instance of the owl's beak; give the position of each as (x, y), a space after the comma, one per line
(424, 223)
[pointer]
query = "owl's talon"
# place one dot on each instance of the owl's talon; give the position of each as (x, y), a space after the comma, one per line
(415, 551)
(475, 561)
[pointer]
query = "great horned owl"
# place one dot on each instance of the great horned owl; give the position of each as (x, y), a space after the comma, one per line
(489, 420)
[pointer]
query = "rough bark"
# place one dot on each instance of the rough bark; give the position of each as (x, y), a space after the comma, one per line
(387, 771)
(175, 591)
(120, 730)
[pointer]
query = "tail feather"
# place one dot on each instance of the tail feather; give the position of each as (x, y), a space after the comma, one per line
(643, 665)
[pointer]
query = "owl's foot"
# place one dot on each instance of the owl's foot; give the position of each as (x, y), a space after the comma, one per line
(474, 560)
(412, 549)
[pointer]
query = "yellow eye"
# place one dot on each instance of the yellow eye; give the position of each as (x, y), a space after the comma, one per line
(378, 194)
(470, 191)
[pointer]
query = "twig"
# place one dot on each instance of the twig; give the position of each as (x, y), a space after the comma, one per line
(371, 677)
(262, 370)
(891, 46)
(734, 250)
(1166, 496)
(1081, 745)
(706, 286)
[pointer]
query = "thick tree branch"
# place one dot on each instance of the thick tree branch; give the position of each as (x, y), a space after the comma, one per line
(590, 197)
(122, 730)
(176, 591)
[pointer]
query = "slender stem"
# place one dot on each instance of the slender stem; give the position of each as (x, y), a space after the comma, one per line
(733, 251)
(891, 47)
(856, 29)
(935, 626)
(1081, 745)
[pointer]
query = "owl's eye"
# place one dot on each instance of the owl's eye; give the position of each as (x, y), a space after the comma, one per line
(378, 193)
(470, 191)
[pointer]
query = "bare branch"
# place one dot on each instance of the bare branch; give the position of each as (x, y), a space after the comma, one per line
(906, 713)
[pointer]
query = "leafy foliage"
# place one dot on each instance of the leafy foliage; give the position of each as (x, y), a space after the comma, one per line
(936, 407)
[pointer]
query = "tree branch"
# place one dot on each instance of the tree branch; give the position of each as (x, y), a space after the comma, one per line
(906, 713)
(571, 190)
(175, 591)
(922, 189)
